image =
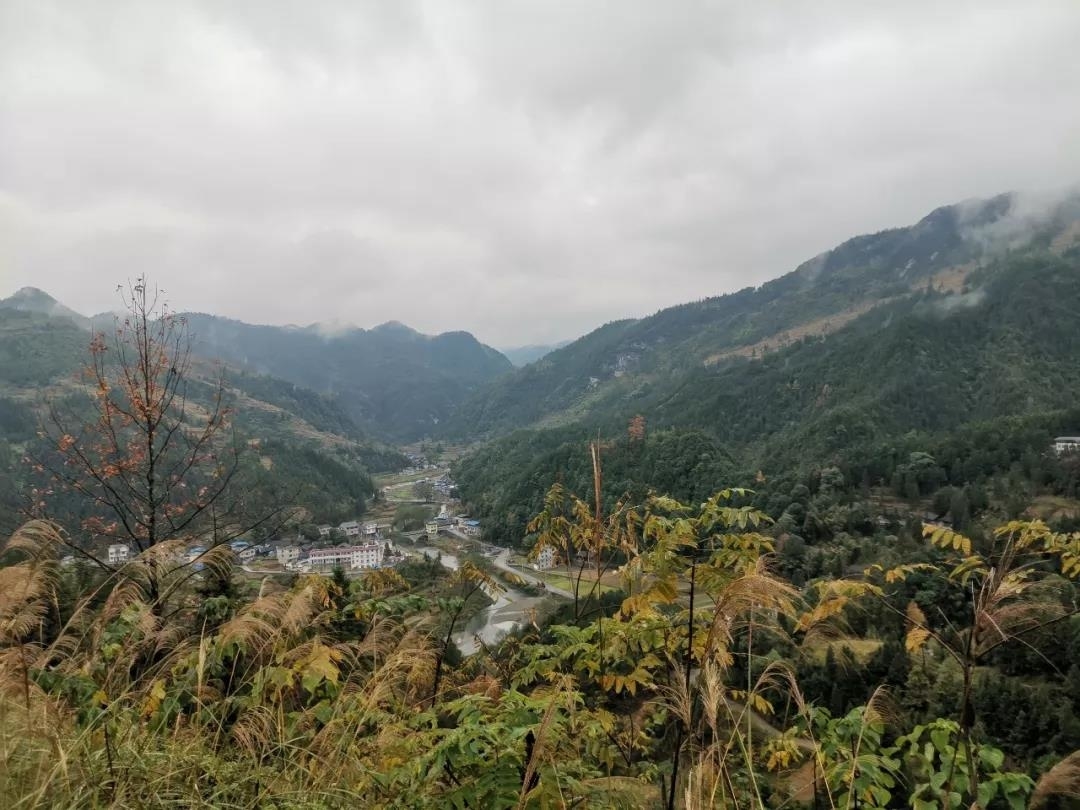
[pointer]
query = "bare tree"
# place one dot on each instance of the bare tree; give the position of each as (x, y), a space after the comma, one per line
(154, 465)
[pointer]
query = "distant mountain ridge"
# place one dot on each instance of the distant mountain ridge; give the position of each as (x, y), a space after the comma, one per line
(393, 382)
(31, 299)
(523, 355)
(629, 360)
(40, 359)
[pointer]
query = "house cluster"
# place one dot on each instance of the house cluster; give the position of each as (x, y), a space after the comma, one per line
(120, 553)
(323, 558)
(246, 552)
(417, 463)
(548, 557)
(461, 524)
(350, 528)
(356, 558)
(444, 485)
(438, 524)
(369, 550)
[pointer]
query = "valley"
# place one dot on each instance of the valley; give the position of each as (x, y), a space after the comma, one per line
(792, 484)
(539, 406)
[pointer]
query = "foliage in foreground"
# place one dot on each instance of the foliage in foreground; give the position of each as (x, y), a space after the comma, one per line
(324, 696)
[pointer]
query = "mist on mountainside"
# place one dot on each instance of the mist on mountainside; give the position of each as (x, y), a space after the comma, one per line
(523, 355)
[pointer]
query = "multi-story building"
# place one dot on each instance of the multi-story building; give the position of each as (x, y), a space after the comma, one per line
(436, 525)
(119, 553)
(546, 558)
(288, 554)
(366, 556)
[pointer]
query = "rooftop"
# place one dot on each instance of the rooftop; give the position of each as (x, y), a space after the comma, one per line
(332, 551)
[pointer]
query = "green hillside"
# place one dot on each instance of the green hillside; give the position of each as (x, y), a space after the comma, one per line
(925, 365)
(394, 382)
(634, 359)
(944, 364)
(929, 363)
(310, 451)
(36, 349)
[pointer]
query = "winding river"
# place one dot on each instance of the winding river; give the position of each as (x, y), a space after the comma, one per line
(510, 610)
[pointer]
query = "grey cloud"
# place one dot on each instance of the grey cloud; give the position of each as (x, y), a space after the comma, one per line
(1028, 212)
(524, 170)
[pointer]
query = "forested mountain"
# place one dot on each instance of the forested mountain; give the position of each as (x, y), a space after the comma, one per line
(31, 299)
(319, 457)
(990, 351)
(905, 377)
(393, 381)
(931, 411)
(1008, 346)
(633, 359)
(36, 349)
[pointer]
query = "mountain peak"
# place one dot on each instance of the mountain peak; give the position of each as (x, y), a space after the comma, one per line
(31, 299)
(30, 294)
(395, 327)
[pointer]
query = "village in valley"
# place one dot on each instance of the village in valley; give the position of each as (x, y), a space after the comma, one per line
(380, 541)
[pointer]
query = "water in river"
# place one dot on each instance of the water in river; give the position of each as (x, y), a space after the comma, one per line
(513, 608)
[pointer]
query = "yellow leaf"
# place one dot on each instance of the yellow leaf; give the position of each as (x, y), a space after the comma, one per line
(320, 665)
(901, 572)
(153, 700)
(761, 704)
(967, 568)
(946, 538)
(917, 633)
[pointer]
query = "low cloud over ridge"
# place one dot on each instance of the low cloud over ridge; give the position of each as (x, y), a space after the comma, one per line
(525, 171)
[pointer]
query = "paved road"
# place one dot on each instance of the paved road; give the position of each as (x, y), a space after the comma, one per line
(501, 561)
(260, 572)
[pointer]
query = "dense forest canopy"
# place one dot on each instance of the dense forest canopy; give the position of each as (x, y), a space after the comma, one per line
(931, 372)
(644, 359)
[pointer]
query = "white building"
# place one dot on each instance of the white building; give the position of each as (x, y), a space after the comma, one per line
(350, 528)
(366, 556)
(371, 530)
(119, 553)
(545, 559)
(325, 529)
(1066, 444)
(288, 554)
(436, 525)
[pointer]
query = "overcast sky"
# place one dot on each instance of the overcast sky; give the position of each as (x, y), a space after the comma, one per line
(525, 171)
